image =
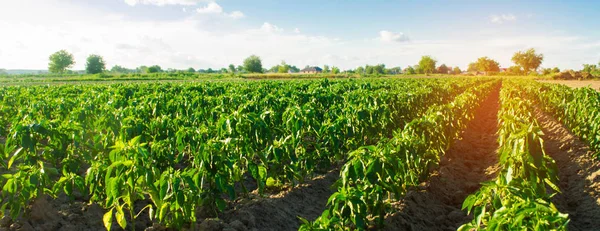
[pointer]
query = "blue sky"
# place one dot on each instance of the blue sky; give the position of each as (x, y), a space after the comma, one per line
(215, 33)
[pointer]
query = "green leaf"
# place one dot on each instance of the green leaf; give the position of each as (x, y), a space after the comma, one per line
(14, 157)
(121, 217)
(107, 219)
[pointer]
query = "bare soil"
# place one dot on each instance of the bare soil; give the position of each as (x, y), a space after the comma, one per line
(595, 84)
(436, 204)
(579, 174)
(278, 212)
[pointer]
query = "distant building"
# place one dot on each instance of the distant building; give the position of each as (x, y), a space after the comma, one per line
(311, 70)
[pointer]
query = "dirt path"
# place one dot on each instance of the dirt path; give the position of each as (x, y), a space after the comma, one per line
(278, 212)
(436, 205)
(579, 174)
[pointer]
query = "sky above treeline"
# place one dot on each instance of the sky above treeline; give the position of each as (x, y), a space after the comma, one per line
(215, 33)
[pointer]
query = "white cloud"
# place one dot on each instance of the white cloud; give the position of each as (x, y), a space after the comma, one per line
(270, 28)
(211, 8)
(163, 2)
(235, 15)
(296, 30)
(214, 9)
(499, 19)
(388, 36)
(215, 41)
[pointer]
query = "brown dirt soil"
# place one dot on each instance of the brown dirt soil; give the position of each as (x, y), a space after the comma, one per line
(579, 174)
(595, 84)
(436, 204)
(278, 211)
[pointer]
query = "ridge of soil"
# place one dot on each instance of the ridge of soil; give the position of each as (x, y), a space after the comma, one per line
(578, 173)
(436, 204)
(278, 211)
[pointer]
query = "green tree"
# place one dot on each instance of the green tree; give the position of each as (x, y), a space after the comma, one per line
(555, 70)
(283, 67)
(335, 70)
(410, 71)
(528, 60)
(231, 68)
(427, 64)
(253, 64)
(60, 61)
(488, 65)
(360, 70)
(456, 70)
(443, 69)
(326, 69)
(191, 70)
(379, 69)
(294, 69)
(239, 68)
(142, 69)
(120, 69)
(154, 69)
(95, 64)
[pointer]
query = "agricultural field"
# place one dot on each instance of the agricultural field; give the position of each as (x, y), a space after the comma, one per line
(594, 84)
(451, 153)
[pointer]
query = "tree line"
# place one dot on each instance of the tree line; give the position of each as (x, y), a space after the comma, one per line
(525, 63)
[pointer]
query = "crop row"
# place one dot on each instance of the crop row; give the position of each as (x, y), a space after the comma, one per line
(374, 176)
(578, 109)
(184, 146)
(519, 197)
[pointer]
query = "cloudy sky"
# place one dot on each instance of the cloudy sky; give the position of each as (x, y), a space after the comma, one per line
(214, 33)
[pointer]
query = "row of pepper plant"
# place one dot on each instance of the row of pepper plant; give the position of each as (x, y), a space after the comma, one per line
(375, 176)
(578, 109)
(519, 197)
(180, 147)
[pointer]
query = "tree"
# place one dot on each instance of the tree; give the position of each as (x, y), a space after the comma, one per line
(95, 64)
(546, 71)
(473, 67)
(360, 70)
(223, 70)
(555, 70)
(120, 69)
(253, 64)
(394, 70)
(528, 60)
(191, 70)
(326, 69)
(379, 69)
(60, 61)
(488, 65)
(515, 70)
(3, 71)
(456, 70)
(294, 69)
(427, 64)
(335, 70)
(154, 69)
(283, 67)
(410, 71)
(443, 69)
(591, 69)
(239, 68)
(231, 68)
